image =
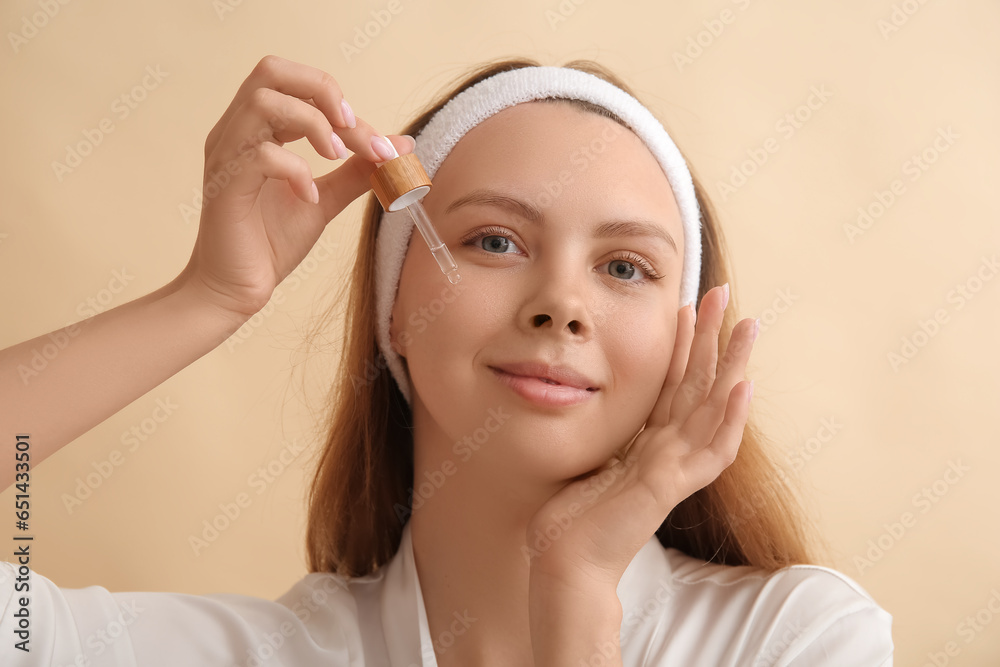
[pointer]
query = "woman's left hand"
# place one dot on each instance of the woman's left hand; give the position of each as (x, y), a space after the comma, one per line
(582, 543)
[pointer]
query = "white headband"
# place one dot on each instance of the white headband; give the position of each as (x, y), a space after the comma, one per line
(477, 103)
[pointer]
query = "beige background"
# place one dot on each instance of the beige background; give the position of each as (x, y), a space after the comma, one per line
(823, 360)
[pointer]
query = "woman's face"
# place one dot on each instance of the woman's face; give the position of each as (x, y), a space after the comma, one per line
(557, 290)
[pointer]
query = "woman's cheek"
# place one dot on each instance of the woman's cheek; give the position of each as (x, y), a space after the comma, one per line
(640, 360)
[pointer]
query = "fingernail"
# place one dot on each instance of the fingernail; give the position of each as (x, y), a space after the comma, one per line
(315, 193)
(725, 297)
(756, 329)
(339, 148)
(751, 392)
(412, 141)
(348, 114)
(382, 148)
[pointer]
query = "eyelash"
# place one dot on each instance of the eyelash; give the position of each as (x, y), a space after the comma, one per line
(626, 256)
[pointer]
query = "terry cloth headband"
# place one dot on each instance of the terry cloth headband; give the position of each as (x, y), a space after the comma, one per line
(487, 97)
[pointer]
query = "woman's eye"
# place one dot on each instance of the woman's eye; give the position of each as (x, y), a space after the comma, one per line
(630, 268)
(623, 269)
(495, 243)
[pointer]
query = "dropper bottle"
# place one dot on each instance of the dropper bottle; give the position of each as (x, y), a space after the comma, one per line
(401, 182)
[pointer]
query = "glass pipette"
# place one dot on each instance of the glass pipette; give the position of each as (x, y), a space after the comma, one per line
(401, 182)
(437, 247)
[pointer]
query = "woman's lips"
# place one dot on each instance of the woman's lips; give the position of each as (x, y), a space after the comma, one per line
(541, 391)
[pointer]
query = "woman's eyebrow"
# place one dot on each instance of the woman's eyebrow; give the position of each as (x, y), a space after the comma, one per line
(525, 210)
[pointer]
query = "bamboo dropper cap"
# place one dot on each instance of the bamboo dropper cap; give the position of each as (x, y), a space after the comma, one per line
(400, 181)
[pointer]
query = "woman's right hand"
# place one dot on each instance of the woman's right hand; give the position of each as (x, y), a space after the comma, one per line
(258, 217)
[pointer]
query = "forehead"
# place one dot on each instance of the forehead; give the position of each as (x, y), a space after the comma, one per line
(562, 159)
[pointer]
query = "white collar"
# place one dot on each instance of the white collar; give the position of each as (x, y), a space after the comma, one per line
(402, 600)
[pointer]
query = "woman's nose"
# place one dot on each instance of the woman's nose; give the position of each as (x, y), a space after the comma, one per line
(558, 300)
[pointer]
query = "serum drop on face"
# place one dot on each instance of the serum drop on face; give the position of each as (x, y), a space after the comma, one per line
(400, 183)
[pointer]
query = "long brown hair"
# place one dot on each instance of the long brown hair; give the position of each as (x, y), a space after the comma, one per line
(359, 498)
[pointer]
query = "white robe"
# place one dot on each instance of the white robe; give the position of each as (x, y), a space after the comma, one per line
(677, 611)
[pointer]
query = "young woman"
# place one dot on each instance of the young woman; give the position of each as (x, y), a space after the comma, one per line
(547, 463)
